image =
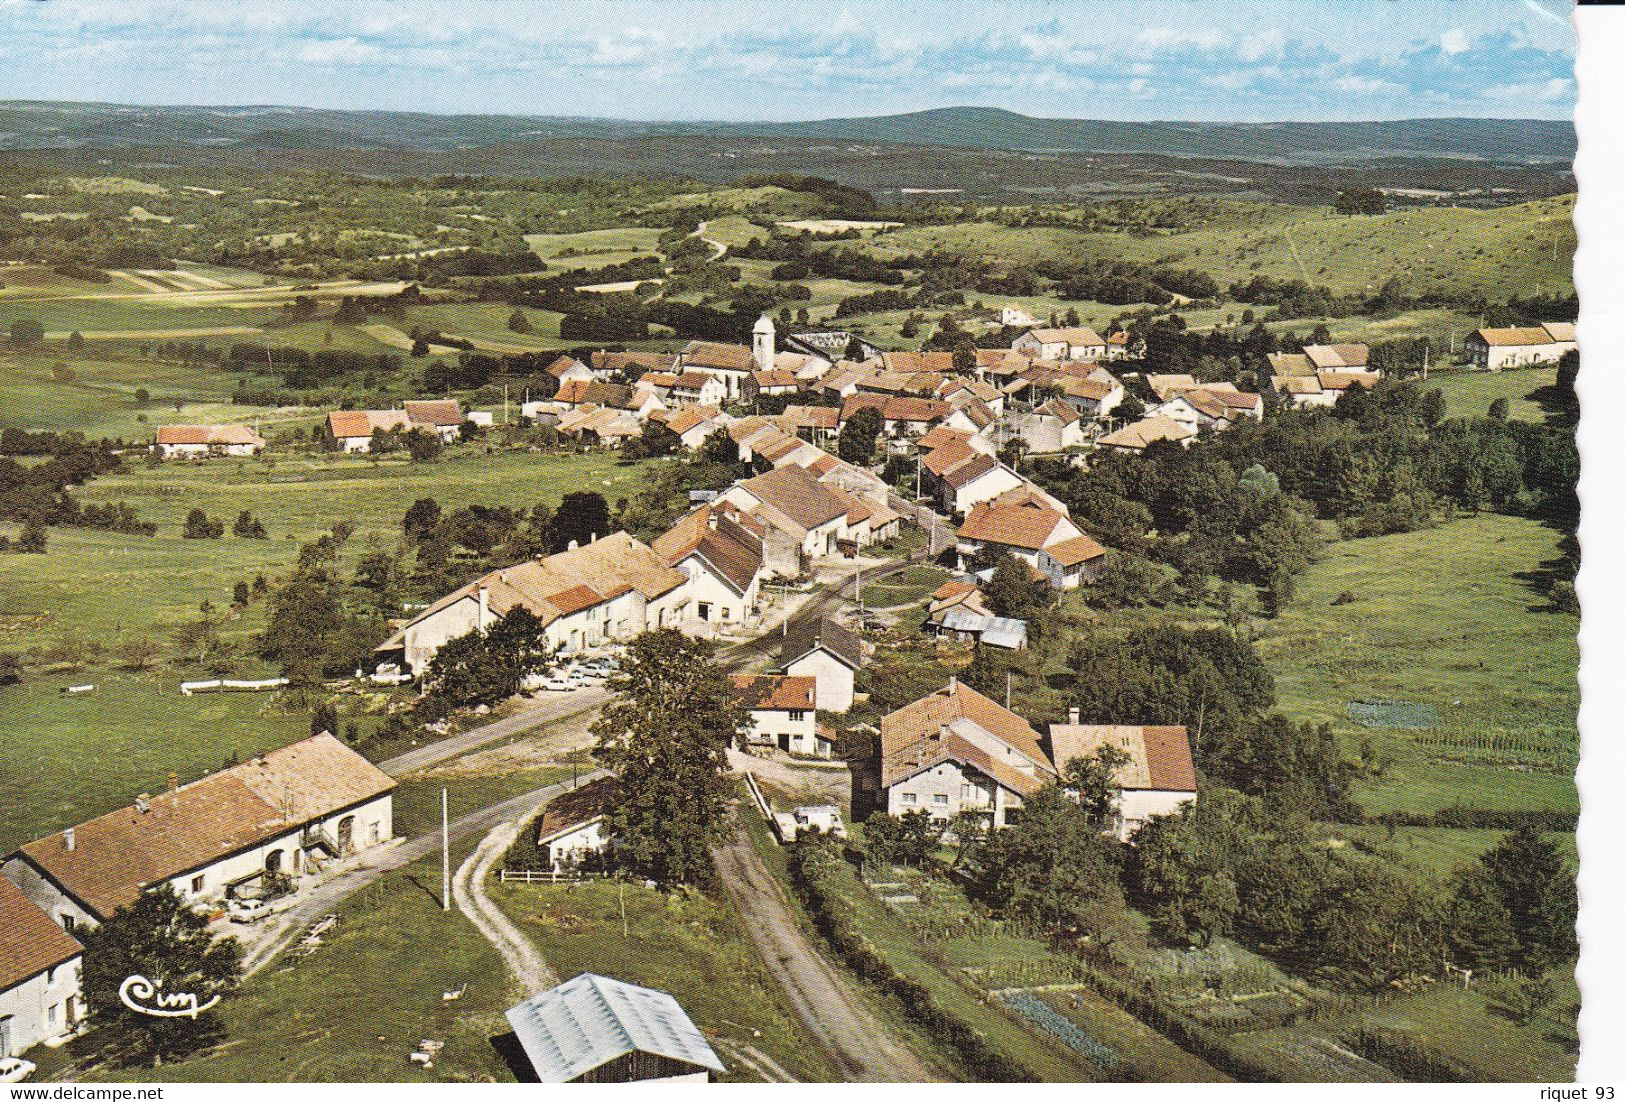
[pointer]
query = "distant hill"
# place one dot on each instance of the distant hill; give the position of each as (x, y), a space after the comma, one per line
(38, 125)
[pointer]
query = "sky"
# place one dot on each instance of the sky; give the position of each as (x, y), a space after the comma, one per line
(774, 60)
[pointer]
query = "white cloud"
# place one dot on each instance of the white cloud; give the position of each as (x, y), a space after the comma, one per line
(1365, 86)
(1265, 43)
(1555, 90)
(1454, 41)
(1172, 38)
(338, 51)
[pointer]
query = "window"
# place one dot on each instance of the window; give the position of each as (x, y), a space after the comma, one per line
(797, 715)
(705, 610)
(908, 797)
(69, 923)
(374, 833)
(197, 884)
(53, 1014)
(940, 799)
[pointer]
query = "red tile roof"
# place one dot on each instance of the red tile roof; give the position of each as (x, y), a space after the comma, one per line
(30, 940)
(774, 692)
(1159, 757)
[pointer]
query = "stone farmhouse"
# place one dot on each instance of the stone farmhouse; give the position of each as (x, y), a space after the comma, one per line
(1496, 349)
(198, 441)
(1042, 537)
(1159, 777)
(352, 430)
(611, 589)
(722, 556)
(1078, 342)
(280, 817)
(39, 975)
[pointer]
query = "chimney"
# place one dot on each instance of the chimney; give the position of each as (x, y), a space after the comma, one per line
(174, 780)
(143, 803)
(69, 842)
(574, 545)
(953, 684)
(1072, 716)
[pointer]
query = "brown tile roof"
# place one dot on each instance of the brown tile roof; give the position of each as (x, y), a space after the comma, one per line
(821, 632)
(1234, 399)
(929, 752)
(1342, 380)
(776, 377)
(1076, 335)
(440, 412)
(1513, 336)
(897, 407)
(1028, 525)
(1299, 384)
(1075, 550)
(1559, 330)
(725, 544)
(30, 940)
(939, 435)
(774, 692)
(1333, 357)
(1159, 757)
(1290, 364)
(1067, 414)
(1142, 434)
(796, 493)
(815, 417)
(578, 807)
(1166, 386)
(944, 458)
(915, 362)
(691, 417)
(955, 587)
(925, 718)
(208, 434)
(117, 855)
(348, 424)
(608, 362)
(692, 380)
(553, 587)
(1093, 390)
(963, 474)
(720, 357)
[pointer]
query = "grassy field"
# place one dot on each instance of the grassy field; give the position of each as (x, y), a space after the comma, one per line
(1440, 617)
(108, 587)
(906, 586)
(417, 800)
(353, 1010)
(691, 945)
(1469, 393)
(1529, 245)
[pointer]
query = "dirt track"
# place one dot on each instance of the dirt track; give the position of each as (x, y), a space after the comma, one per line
(819, 995)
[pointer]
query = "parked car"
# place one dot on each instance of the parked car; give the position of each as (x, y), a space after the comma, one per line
(14, 1069)
(563, 682)
(247, 910)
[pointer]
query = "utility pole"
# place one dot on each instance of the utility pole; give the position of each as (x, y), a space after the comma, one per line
(1426, 348)
(445, 854)
(1007, 690)
(504, 405)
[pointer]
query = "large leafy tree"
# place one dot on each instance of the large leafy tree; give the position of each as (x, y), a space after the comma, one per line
(666, 735)
(160, 938)
(1053, 868)
(856, 444)
(486, 668)
(580, 517)
(1538, 892)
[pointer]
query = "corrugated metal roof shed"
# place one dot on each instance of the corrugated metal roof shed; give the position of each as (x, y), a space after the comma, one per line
(1002, 631)
(588, 1021)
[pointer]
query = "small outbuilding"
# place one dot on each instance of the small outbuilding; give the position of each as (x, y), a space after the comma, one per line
(593, 1029)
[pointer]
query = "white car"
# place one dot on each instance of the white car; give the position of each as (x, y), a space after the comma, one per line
(247, 910)
(14, 1069)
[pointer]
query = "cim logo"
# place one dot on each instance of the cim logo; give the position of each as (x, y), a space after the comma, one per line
(146, 996)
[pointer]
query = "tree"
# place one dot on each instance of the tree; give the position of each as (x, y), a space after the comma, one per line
(518, 322)
(1092, 779)
(1130, 408)
(160, 938)
(1539, 895)
(142, 396)
(198, 526)
(26, 332)
(1053, 868)
(137, 652)
(239, 595)
(1478, 927)
(656, 440)
(665, 735)
(1361, 201)
(581, 517)
(11, 668)
(32, 540)
(248, 527)
(1498, 410)
(420, 519)
(423, 446)
(1013, 590)
(901, 840)
(486, 668)
(325, 719)
(856, 443)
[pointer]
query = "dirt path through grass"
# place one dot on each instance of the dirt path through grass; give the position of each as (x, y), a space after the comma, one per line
(529, 968)
(817, 993)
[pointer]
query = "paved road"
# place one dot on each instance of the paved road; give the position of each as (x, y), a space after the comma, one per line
(264, 942)
(819, 995)
(525, 962)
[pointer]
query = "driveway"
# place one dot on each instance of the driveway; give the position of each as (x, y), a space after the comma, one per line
(819, 995)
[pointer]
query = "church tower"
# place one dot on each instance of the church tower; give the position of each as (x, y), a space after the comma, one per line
(762, 344)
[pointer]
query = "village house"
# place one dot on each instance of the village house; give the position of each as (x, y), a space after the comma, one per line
(698, 388)
(1043, 538)
(1495, 349)
(904, 416)
(618, 365)
(441, 416)
(273, 820)
(567, 368)
(806, 367)
(731, 363)
(1121, 346)
(955, 751)
(1090, 395)
(723, 561)
(1340, 357)
(197, 441)
(959, 477)
(1053, 427)
(1215, 406)
(1158, 779)
(783, 710)
(352, 430)
(1078, 342)
(1014, 317)
(771, 384)
(942, 435)
(610, 590)
(593, 1029)
(815, 424)
(572, 832)
(959, 610)
(1143, 433)
(694, 424)
(641, 403)
(592, 424)
(39, 975)
(819, 648)
(791, 500)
